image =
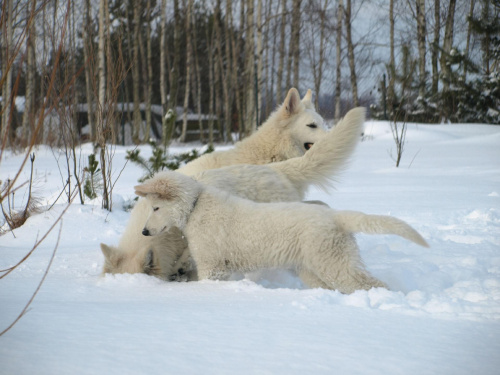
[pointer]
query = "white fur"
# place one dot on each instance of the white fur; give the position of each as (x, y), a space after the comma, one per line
(282, 181)
(281, 137)
(227, 233)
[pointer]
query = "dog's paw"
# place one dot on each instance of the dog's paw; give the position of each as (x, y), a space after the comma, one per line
(180, 276)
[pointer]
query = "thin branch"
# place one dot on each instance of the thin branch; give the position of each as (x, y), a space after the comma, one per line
(25, 310)
(10, 269)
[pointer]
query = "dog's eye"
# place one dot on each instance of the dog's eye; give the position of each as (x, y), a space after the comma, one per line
(313, 126)
(156, 208)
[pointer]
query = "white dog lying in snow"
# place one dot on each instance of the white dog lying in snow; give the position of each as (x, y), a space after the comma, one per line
(226, 233)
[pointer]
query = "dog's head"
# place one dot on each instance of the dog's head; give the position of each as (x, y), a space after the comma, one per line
(301, 126)
(172, 197)
(118, 261)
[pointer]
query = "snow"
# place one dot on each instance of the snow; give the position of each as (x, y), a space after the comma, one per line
(441, 316)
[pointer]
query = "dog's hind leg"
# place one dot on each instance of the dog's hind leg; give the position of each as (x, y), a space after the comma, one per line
(342, 268)
(311, 280)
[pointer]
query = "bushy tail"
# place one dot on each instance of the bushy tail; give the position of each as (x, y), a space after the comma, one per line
(327, 157)
(353, 222)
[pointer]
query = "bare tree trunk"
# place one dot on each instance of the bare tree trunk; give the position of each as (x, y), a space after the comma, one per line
(421, 34)
(228, 79)
(137, 121)
(7, 88)
(270, 66)
(189, 52)
(101, 136)
(350, 54)
(197, 97)
(392, 61)
(225, 72)
(163, 72)
(149, 66)
(447, 44)
(211, 81)
(279, 88)
(241, 86)
(296, 41)
(485, 41)
(260, 51)
(293, 45)
(250, 90)
(338, 70)
(89, 69)
(469, 32)
(317, 58)
(435, 47)
(30, 69)
(174, 72)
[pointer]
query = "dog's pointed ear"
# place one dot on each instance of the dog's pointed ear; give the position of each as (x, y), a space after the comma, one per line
(143, 190)
(292, 102)
(162, 188)
(107, 251)
(307, 100)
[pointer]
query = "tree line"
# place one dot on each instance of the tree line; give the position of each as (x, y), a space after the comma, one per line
(235, 59)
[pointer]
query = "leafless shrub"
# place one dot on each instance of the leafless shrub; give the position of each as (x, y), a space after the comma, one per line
(50, 101)
(16, 218)
(398, 129)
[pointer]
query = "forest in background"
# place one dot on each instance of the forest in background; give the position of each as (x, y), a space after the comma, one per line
(408, 60)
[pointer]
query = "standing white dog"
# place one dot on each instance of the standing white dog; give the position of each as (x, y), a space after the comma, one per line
(291, 130)
(227, 233)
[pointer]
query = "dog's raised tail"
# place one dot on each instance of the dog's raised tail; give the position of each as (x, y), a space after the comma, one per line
(327, 157)
(358, 222)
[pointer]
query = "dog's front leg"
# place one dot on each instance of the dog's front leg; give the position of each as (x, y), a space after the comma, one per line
(212, 273)
(184, 269)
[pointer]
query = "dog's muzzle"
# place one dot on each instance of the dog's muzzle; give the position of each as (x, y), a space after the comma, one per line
(308, 145)
(145, 232)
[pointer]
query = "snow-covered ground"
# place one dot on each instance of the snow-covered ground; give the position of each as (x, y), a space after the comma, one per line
(441, 316)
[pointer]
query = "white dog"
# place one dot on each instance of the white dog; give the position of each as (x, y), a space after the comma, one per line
(283, 181)
(227, 233)
(289, 132)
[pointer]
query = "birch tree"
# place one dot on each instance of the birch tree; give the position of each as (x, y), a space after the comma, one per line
(317, 55)
(163, 72)
(421, 35)
(174, 72)
(447, 44)
(101, 131)
(30, 72)
(197, 75)
(149, 69)
(281, 63)
(250, 115)
(294, 47)
(89, 68)
(137, 120)
(7, 68)
(189, 52)
(350, 53)
(435, 47)
(259, 63)
(224, 69)
(296, 41)
(338, 68)
(469, 33)
(392, 60)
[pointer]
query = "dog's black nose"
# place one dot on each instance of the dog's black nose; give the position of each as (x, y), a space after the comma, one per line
(145, 232)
